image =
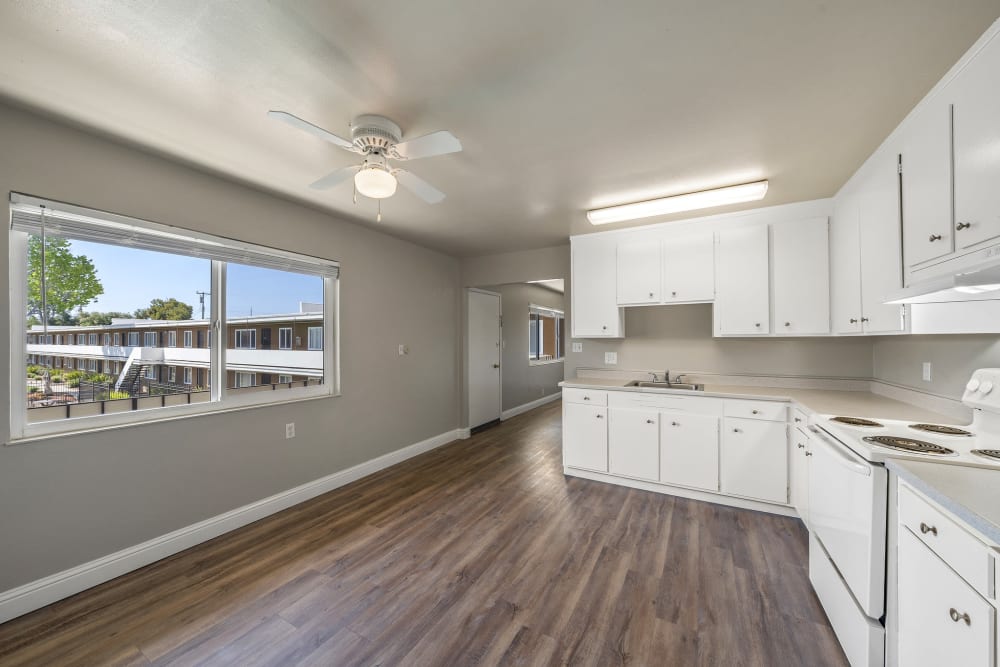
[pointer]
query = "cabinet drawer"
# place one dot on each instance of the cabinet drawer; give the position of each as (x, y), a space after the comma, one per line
(586, 396)
(774, 411)
(696, 404)
(963, 552)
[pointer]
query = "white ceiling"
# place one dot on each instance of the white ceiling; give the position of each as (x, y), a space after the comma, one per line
(561, 106)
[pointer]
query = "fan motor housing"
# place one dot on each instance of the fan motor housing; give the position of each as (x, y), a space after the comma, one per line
(374, 133)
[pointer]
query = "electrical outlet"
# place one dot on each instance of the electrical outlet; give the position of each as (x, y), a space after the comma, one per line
(927, 371)
(289, 431)
(611, 357)
(404, 349)
(578, 347)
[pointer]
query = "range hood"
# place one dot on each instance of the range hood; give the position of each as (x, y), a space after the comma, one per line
(976, 281)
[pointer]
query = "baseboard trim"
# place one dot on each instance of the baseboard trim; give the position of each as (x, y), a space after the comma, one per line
(41, 592)
(693, 494)
(521, 409)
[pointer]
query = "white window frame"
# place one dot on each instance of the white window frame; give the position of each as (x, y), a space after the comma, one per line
(188, 339)
(92, 339)
(150, 373)
(281, 334)
(118, 339)
(22, 432)
(58, 339)
(171, 339)
(172, 374)
(81, 339)
(554, 314)
(309, 338)
(106, 339)
(188, 375)
(242, 375)
(284, 379)
(92, 365)
(133, 339)
(150, 336)
(240, 333)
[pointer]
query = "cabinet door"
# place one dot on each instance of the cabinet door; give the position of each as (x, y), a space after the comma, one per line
(595, 298)
(932, 603)
(754, 459)
(639, 270)
(689, 450)
(845, 265)
(801, 276)
(689, 268)
(742, 300)
(799, 474)
(927, 182)
(881, 256)
(585, 437)
(634, 443)
(976, 97)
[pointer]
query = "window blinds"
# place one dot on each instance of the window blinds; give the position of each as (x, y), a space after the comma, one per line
(84, 224)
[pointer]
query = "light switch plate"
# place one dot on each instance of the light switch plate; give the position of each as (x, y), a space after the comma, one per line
(927, 371)
(289, 430)
(578, 347)
(611, 357)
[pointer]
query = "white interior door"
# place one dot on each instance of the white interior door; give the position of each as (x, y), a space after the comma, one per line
(483, 362)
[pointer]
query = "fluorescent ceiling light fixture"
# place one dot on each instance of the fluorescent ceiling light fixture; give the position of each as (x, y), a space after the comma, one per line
(733, 194)
(375, 182)
(977, 289)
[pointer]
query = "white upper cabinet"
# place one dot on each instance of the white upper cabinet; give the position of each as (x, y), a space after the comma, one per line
(689, 268)
(845, 265)
(801, 277)
(742, 298)
(639, 270)
(975, 94)
(595, 311)
(927, 182)
(881, 256)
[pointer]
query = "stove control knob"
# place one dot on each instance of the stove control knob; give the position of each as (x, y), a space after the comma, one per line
(986, 387)
(973, 385)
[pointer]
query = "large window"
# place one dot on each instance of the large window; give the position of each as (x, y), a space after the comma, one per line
(546, 334)
(93, 263)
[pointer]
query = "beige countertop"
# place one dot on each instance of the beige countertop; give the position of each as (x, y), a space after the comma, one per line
(819, 401)
(971, 494)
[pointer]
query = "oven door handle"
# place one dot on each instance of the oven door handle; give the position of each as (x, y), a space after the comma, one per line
(843, 457)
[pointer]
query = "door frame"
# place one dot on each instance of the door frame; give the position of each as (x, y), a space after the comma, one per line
(468, 353)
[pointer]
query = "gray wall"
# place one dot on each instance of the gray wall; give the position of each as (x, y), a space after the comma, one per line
(899, 360)
(523, 382)
(679, 338)
(68, 500)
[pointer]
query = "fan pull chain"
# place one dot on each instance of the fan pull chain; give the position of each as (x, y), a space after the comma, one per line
(355, 192)
(378, 218)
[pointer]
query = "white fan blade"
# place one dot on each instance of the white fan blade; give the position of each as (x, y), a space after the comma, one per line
(418, 186)
(336, 178)
(429, 145)
(314, 130)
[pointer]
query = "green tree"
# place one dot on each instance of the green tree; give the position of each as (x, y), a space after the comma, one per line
(169, 309)
(98, 318)
(70, 281)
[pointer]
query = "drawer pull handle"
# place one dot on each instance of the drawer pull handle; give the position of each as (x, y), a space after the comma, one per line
(798, 419)
(854, 320)
(650, 421)
(673, 294)
(963, 225)
(809, 453)
(801, 446)
(955, 616)
(736, 430)
(924, 528)
(674, 424)
(755, 412)
(586, 398)
(934, 237)
(600, 416)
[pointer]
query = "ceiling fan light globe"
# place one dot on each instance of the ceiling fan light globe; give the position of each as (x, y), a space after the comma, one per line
(375, 183)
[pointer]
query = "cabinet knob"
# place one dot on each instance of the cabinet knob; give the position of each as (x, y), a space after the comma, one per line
(934, 237)
(788, 324)
(605, 328)
(650, 295)
(755, 412)
(809, 453)
(955, 616)
(650, 421)
(736, 430)
(924, 528)
(864, 319)
(963, 225)
(600, 416)
(797, 420)
(586, 398)
(674, 424)
(757, 324)
(673, 294)
(854, 320)
(801, 446)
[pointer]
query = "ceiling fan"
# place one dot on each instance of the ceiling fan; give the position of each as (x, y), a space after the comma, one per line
(378, 139)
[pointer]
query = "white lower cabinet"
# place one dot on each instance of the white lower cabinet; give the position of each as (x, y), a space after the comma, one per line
(634, 443)
(689, 450)
(942, 620)
(585, 436)
(799, 473)
(754, 459)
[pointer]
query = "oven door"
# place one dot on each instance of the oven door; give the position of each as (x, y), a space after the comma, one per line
(847, 506)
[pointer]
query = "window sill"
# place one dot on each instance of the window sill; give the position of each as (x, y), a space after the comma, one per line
(547, 362)
(181, 413)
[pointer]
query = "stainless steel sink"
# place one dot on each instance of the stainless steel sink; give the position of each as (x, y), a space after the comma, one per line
(666, 385)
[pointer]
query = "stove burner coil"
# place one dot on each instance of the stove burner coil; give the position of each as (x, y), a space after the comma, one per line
(856, 421)
(909, 445)
(988, 453)
(940, 430)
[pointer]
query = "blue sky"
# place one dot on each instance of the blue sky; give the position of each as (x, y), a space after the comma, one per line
(132, 278)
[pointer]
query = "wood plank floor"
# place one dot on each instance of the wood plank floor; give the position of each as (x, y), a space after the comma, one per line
(478, 553)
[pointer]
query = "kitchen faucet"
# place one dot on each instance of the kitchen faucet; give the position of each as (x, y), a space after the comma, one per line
(656, 377)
